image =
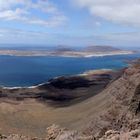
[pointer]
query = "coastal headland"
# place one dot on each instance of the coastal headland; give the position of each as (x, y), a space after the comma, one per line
(23, 109)
(95, 105)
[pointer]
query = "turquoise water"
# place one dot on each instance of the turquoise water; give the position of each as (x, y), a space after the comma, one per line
(28, 71)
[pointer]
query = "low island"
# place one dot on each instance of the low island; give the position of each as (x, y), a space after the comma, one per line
(68, 52)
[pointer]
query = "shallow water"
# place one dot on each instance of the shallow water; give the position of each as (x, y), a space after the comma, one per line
(28, 71)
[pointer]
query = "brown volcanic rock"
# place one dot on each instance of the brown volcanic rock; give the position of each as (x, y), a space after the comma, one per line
(115, 135)
(17, 137)
(120, 121)
(135, 103)
(123, 114)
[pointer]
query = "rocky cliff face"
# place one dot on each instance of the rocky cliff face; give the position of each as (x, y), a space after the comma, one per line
(112, 114)
(121, 120)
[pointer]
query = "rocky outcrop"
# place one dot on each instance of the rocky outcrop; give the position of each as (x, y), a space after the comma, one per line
(17, 137)
(122, 117)
(135, 103)
(116, 135)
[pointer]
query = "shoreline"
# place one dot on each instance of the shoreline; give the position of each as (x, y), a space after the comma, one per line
(77, 87)
(87, 73)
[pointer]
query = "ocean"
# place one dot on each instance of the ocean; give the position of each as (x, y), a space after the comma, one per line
(29, 71)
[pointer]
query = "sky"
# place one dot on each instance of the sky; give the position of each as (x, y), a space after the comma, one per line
(70, 22)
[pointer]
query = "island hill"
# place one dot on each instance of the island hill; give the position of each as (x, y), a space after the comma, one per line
(69, 52)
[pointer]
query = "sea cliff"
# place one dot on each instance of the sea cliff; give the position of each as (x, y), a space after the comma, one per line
(112, 113)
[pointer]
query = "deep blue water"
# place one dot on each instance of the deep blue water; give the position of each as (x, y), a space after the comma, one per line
(28, 71)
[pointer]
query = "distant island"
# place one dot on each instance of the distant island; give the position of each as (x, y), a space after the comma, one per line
(68, 52)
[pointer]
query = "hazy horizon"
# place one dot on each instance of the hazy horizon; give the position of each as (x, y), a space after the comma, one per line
(16, 45)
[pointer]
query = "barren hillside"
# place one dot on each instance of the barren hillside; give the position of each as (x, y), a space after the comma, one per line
(111, 114)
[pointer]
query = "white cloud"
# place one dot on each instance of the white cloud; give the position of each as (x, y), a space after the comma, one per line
(22, 10)
(118, 11)
(97, 23)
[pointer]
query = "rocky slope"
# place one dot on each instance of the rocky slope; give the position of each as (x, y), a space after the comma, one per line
(121, 121)
(112, 114)
(123, 114)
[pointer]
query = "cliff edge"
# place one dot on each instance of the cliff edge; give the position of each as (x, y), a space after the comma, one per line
(112, 114)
